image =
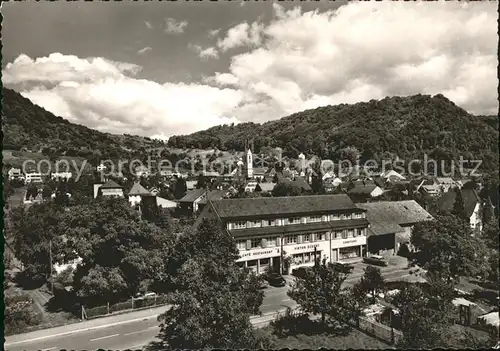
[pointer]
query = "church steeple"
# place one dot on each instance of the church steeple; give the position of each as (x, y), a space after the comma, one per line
(248, 159)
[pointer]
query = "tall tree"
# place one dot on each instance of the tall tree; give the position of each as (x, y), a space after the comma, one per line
(319, 290)
(425, 314)
(459, 206)
(214, 298)
(371, 282)
(447, 248)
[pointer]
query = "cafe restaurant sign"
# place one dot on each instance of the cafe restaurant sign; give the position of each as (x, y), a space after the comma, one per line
(253, 255)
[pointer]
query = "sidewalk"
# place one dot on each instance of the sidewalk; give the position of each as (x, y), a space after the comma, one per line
(87, 325)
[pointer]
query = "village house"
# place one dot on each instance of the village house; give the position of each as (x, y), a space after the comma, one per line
(287, 232)
(391, 223)
(137, 193)
(445, 184)
(61, 175)
(472, 205)
(110, 188)
(33, 178)
(363, 190)
(15, 174)
(194, 200)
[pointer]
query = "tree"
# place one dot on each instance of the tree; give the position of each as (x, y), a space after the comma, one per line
(31, 191)
(202, 182)
(47, 192)
(285, 189)
(214, 298)
(425, 314)
(459, 206)
(447, 248)
(119, 251)
(371, 282)
(319, 290)
(180, 188)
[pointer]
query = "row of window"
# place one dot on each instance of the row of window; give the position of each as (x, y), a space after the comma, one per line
(294, 239)
(294, 220)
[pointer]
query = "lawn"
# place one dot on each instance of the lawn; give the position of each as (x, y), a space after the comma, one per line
(354, 340)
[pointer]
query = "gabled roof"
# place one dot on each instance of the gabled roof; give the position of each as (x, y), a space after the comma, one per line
(110, 184)
(214, 195)
(262, 206)
(192, 195)
(259, 170)
(470, 197)
(361, 187)
(138, 190)
(266, 186)
(387, 217)
(392, 173)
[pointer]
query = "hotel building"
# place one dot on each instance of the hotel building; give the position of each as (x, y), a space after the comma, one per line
(288, 231)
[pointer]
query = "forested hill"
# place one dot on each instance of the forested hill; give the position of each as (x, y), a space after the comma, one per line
(404, 126)
(26, 125)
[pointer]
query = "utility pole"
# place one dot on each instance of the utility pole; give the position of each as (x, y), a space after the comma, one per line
(51, 267)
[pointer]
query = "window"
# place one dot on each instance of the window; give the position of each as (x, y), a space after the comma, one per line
(269, 223)
(271, 241)
(344, 234)
(240, 225)
(255, 224)
(320, 236)
(361, 232)
(338, 234)
(241, 244)
(307, 257)
(294, 220)
(350, 233)
(255, 243)
(307, 237)
(348, 216)
(291, 239)
(314, 219)
(334, 217)
(342, 217)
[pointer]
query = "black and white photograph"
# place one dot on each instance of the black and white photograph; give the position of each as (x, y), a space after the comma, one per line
(250, 175)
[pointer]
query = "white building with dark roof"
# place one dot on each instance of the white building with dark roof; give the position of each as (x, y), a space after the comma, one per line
(287, 232)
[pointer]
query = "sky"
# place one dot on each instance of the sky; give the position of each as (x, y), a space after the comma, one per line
(167, 68)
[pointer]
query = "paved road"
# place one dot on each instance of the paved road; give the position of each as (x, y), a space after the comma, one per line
(137, 333)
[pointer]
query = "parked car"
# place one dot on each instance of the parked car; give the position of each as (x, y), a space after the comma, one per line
(375, 260)
(148, 295)
(277, 280)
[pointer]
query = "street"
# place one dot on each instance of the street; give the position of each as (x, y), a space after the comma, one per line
(137, 333)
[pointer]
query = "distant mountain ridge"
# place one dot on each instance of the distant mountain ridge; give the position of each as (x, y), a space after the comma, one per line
(26, 125)
(406, 127)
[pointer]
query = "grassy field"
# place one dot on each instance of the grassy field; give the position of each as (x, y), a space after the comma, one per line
(355, 339)
(17, 158)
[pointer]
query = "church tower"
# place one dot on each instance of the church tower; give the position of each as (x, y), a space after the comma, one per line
(248, 160)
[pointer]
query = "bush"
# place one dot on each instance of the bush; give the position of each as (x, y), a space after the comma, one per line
(121, 306)
(96, 311)
(19, 314)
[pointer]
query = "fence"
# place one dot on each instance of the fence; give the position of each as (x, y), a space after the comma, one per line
(379, 330)
(130, 305)
(365, 324)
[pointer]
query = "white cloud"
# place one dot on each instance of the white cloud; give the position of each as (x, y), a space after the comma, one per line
(297, 61)
(112, 100)
(210, 52)
(310, 59)
(144, 50)
(172, 26)
(148, 24)
(213, 32)
(242, 34)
